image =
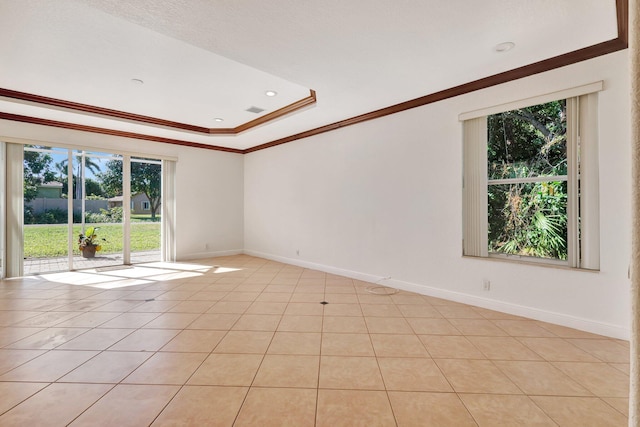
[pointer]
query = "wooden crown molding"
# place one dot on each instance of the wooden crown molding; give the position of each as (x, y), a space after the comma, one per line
(112, 132)
(619, 43)
(92, 109)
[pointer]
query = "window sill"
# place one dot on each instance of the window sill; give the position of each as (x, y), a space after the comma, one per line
(536, 262)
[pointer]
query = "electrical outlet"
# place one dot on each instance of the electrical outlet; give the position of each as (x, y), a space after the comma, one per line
(486, 285)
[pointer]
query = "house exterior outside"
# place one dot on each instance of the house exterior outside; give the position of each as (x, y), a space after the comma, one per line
(140, 204)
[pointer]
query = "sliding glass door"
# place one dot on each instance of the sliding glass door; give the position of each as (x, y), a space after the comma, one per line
(85, 209)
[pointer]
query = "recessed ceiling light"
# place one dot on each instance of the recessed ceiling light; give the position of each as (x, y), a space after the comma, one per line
(271, 93)
(218, 119)
(137, 81)
(504, 47)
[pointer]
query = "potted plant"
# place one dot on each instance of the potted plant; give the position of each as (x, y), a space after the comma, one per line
(88, 242)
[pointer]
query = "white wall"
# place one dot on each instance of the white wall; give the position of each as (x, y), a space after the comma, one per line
(383, 198)
(209, 185)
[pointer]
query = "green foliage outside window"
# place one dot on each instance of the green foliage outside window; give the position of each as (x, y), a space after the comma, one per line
(528, 218)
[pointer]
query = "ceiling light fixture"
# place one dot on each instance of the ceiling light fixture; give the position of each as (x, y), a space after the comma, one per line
(218, 119)
(504, 47)
(137, 81)
(271, 93)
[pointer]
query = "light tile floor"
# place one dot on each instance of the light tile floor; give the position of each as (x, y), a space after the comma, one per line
(242, 341)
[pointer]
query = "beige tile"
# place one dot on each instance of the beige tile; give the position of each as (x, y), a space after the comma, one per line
(49, 367)
(380, 310)
(412, 374)
(280, 288)
(564, 332)
(557, 350)
(297, 323)
(257, 322)
(49, 319)
(245, 342)
(172, 321)
(424, 310)
(413, 409)
(288, 371)
(505, 410)
(334, 297)
(145, 340)
(599, 378)
(361, 373)
(409, 298)
(215, 321)
(388, 325)
(304, 309)
(227, 369)
(241, 296)
(604, 349)
(107, 367)
(345, 324)
(136, 405)
(304, 296)
(480, 327)
(58, 404)
(278, 407)
(123, 305)
(16, 316)
(503, 348)
(262, 307)
(189, 340)
(197, 307)
(367, 298)
(621, 404)
(96, 339)
(541, 378)
(458, 311)
(152, 307)
(48, 339)
(274, 297)
(424, 326)
(130, 320)
(523, 328)
(450, 347)
(230, 307)
(354, 408)
(580, 411)
(337, 309)
(295, 343)
(10, 359)
(14, 393)
(622, 367)
(166, 368)
(88, 320)
(476, 376)
(389, 345)
(334, 344)
(10, 335)
(175, 295)
(203, 406)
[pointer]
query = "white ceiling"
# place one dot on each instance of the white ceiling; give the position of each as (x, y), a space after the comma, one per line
(202, 59)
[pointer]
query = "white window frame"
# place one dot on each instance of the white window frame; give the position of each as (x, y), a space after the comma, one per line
(583, 238)
(146, 205)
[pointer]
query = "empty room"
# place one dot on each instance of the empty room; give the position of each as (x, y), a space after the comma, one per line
(288, 213)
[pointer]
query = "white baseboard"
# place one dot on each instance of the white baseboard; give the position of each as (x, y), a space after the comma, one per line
(200, 255)
(582, 324)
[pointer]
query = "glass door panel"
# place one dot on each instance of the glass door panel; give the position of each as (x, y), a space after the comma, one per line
(46, 229)
(98, 219)
(146, 177)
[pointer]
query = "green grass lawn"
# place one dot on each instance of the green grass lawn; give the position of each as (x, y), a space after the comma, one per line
(41, 241)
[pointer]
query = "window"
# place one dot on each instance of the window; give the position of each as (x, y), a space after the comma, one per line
(133, 205)
(530, 183)
(146, 206)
